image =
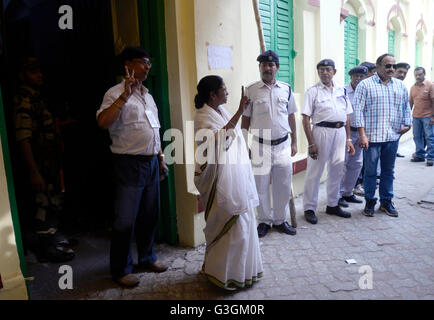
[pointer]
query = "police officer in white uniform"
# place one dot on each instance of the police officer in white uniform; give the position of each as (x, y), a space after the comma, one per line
(327, 105)
(353, 164)
(270, 118)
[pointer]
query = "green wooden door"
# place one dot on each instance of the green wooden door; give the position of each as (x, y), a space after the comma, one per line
(153, 38)
(278, 25)
(391, 42)
(351, 44)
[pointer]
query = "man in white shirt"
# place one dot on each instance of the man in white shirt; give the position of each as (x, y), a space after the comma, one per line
(270, 117)
(129, 112)
(328, 106)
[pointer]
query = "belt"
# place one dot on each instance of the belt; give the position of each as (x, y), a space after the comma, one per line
(272, 142)
(354, 129)
(335, 125)
(134, 157)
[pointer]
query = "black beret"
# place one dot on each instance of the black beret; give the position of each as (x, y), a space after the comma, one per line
(403, 65)
(371, 66)
(359, 70)
(268, 56)
(326, 63)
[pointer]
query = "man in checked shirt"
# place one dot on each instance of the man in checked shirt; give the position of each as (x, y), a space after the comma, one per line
(382, 114)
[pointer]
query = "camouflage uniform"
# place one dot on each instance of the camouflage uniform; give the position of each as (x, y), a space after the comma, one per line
(34, 121)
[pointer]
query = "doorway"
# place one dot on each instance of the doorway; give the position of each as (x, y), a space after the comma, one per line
(79, 66)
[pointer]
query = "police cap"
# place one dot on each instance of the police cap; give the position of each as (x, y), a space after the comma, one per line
(268, 56)
(359, 70)
(371, 66)
(404, 65)
(325, 63)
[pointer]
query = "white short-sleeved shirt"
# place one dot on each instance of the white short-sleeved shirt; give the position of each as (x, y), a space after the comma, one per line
(322, 104)
(136, 130)
(270, 108)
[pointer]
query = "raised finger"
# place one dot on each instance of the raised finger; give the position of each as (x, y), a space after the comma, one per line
(127, 72)
(132, 74)
(242, 91)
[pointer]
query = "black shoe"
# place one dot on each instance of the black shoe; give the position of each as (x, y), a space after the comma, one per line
(369, 208)
(337, 211)
(343, 203)
(417, 159)
(430, 163)
(263, 230)
(310, 217)
(352, 199)
(400, 155)
(389, 208)
(286, 228)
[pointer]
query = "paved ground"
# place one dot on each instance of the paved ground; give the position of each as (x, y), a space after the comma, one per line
(311, 265)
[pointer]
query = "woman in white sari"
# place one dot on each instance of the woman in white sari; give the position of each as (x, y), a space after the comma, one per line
(224, 178)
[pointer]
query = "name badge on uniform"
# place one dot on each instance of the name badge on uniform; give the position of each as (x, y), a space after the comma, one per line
(152, 119)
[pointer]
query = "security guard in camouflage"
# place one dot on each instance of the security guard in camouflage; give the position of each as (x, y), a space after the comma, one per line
(40, 148)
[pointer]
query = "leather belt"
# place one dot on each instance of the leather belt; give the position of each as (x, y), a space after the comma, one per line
(272, 142)
(134, 157)
(335, 125)
(354, 129)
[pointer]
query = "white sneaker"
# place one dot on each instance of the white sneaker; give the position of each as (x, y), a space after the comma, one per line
(358, 190)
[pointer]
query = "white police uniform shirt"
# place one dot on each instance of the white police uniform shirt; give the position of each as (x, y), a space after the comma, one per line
(136, 130)
(270, 108)
(322, 104)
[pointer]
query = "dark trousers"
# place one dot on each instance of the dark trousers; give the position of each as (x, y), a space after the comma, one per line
(137, 206)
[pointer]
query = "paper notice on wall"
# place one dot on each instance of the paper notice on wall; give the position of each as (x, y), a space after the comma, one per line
(219, 57)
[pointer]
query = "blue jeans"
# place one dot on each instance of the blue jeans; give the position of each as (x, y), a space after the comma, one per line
(422, 131)
(386, 153)
(137, 206)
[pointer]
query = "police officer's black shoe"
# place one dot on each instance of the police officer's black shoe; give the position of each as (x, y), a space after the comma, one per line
(343, 203)
(286, 228)
(352, 199)
(263, 230)
(337, 211)
(310, 217)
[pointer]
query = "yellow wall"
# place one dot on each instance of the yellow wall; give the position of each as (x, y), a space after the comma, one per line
(13, 282)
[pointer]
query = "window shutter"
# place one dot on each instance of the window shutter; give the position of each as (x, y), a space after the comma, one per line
(391, 42)
(351, 44)
(277, 23)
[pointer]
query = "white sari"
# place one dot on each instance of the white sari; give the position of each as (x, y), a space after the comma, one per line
(228, 194)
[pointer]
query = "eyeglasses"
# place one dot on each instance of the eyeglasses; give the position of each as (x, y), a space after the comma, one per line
(145, 62)
(388, 66)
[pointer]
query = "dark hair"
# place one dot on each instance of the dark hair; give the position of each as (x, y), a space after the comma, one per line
(130, 53)
(206, 85)
(420, 68)
(381, 58)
